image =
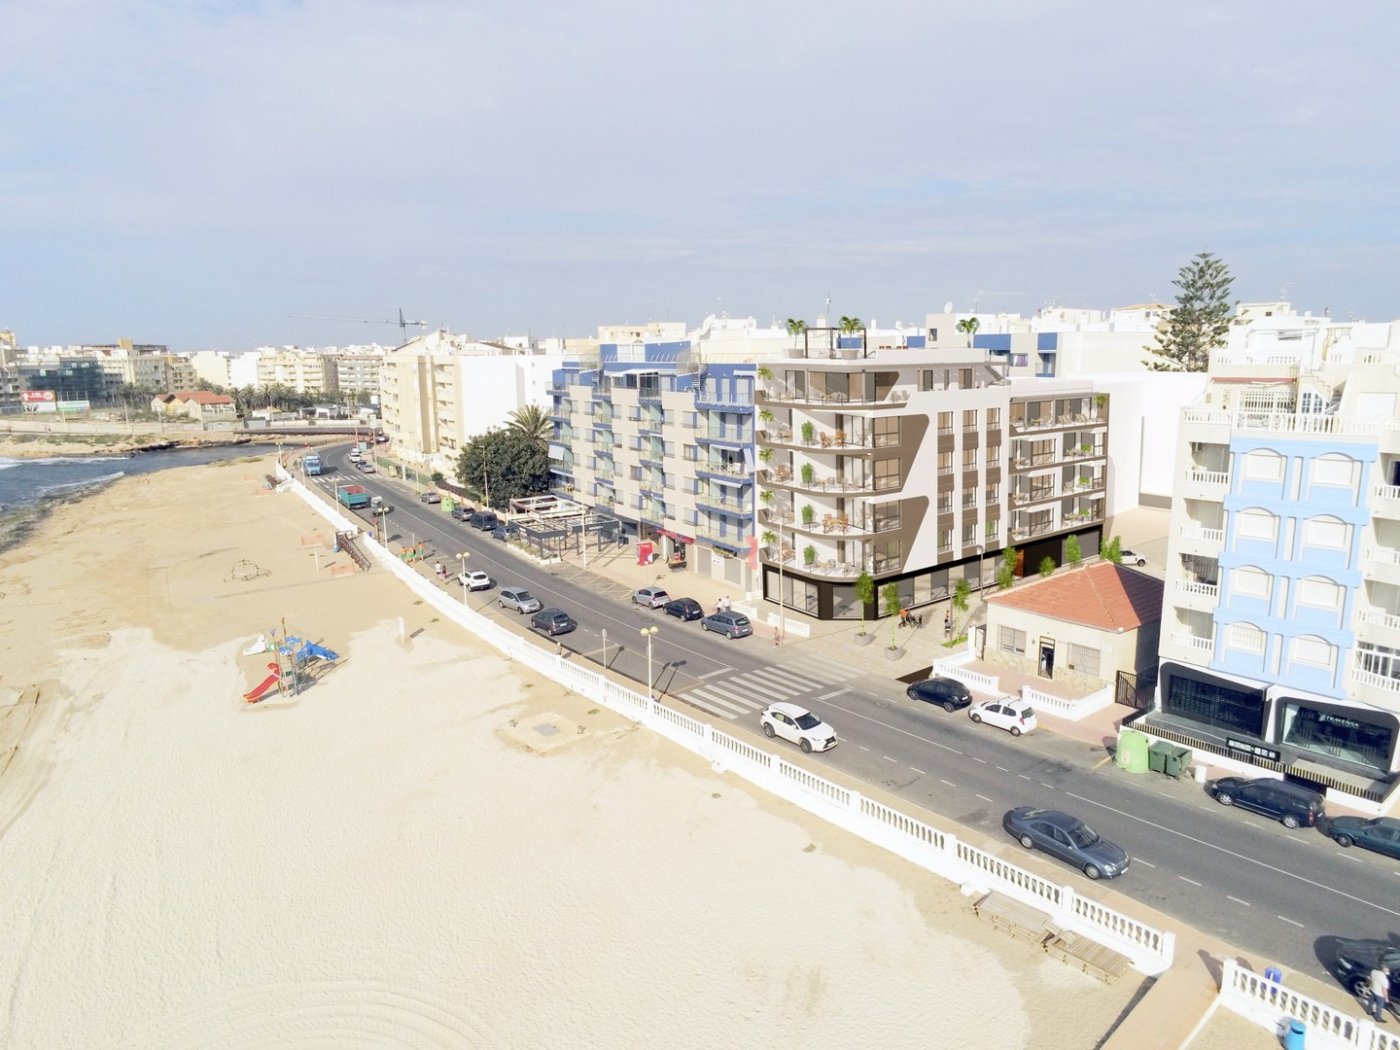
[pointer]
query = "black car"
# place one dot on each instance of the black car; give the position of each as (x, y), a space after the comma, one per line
(683, 609)
(1381, 834)
(947, 693)
(1292, 804)
(462, 511)
(553, 621)
(1068, 838)
(1356, 959)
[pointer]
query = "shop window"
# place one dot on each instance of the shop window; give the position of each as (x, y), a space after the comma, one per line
(1214, 704)
(1336, 734)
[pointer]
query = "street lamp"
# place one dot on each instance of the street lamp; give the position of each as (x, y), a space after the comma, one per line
(649, 632)
(464, 556)
(782, 609)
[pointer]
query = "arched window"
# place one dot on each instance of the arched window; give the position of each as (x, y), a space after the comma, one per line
(1251, 582)
(1245, 637)
(1319, 592)
(1263, 464)
(1334, 469)
(1326, 531)
(1313, 651)
(1256, 523)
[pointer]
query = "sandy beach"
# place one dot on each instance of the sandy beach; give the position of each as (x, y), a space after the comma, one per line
(380, 862)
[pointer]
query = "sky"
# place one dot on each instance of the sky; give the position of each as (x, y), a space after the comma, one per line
(200, 174)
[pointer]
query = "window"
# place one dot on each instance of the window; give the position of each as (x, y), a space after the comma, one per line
(993, 528)
(1257, 524)
(1319, 592)
(993, 418)
(945, 539)
(1315, 651)
(1325, 532)
(969, 419)
(993, 454)
(1263, 465)
(692, 452)
(1010, 640)
(945, 462)
(969, 459)
(1084, 660)
(964, 379)
(692, 419)
(969, 534)
(945, 422)
(886, 517)
(1245, 637)
(887, 555)
(886, 431)
(1334, 470)
(1251, 582)
(886, 474)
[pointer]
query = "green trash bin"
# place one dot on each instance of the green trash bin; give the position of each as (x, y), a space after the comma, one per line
(1131, 755)
(1176, 760)
(1157, 756)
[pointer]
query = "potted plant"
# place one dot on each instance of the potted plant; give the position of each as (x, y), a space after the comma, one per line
(809, 514)
(766, 496)
(765, 373)
(766, 455)
(865, 594)
(809, 555)
(808, 473)
(1047, 567)
(894, 607)
(770, 538)
(766, 415)
(809, 432)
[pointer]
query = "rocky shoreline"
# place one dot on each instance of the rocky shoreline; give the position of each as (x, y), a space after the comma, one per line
(44, 446)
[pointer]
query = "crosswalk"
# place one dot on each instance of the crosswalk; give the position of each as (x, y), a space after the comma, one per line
(744, 695)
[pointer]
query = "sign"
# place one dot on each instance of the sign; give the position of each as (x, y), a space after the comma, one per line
(34, 397)
(1256, 750)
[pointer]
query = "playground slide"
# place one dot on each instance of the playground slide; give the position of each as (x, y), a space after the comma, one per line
(320, 652)
(259, 690)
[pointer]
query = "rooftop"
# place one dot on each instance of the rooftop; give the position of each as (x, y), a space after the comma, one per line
(1104, 595)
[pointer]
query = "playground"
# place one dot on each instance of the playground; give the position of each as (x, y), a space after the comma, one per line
(297, 664)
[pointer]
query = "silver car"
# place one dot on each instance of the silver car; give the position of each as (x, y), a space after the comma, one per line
(519, 599)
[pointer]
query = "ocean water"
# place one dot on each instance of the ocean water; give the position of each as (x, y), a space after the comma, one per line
(25, 482)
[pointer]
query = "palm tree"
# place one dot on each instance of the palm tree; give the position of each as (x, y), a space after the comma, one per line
(532, 423)
(850, 325)
(795, 328)
(970, 326)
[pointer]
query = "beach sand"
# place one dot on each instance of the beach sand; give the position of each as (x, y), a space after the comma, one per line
(380, 862)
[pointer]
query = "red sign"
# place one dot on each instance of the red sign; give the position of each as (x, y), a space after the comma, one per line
(34, 397)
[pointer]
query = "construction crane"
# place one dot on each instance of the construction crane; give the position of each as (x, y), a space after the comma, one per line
(403, 325)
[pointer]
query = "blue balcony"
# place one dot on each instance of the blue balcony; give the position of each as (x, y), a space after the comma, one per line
(727, 442)
(720, 403)
(733, 509)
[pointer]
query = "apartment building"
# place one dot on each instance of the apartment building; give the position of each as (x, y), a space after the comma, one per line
(304, 371)
(1281, 622)
(917, 465)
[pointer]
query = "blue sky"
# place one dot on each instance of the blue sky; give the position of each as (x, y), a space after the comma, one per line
(193, 173)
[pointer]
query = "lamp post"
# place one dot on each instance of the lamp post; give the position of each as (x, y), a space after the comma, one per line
(464, 556)
(649, 632)
(782, 609)
(605, 648)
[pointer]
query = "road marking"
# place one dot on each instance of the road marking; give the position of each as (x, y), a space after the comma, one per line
(1291, 922)
(903, 732)
(829, 696)
(1237, 900)
(1004, 769)
(707, 696)
(948, 782)
(1351, 856)
(1045, 785)
(1144, 863)
(919, 771)
(1100, 762)
(862, 747)
(888, 759)
(984, 798)
(1023, 776)
(1238, 856)
(976, 759)
(1193, 882)
(712, 674)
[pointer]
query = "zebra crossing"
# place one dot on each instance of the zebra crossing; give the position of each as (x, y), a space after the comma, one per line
(746, 694)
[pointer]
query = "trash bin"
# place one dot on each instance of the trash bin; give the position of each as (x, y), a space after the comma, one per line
(1157, 756)
(1175, 763)
(1131, 754)
(1295, 1035)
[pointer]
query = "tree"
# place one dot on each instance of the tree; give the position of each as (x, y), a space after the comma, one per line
(969, 326)
(1200, 319)
(962, 590)
(501, 465)
(795, 329)
(1047, 566)
(893, 606)
(865, 594)
(850, 325)
(1006, 570)
(533, 423)
(1112, 551)
(1073, 554)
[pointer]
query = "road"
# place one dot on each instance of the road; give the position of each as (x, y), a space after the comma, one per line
(1243, 877)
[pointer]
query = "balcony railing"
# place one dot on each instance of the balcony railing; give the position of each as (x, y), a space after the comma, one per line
(1208, 590)
(786, 395)
(1194, 642)
(1376, 681)
(1067, 421)
(1386, 492)
(1199, 532)
(1290, 423)
(1214, 478)
(1384, 555)
(1377, 618)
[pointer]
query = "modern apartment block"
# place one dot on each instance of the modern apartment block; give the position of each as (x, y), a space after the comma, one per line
(1281, 621)
(918, 466)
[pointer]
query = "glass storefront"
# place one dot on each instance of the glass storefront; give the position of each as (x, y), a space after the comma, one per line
(1336, 733)
(1213, 703)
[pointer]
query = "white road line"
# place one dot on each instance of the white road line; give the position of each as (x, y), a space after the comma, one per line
(1237, 900)
(707, 705)
(984, 798)
(1232, 853)
(948, 782)
(767, 692)
(715, 703)
(1291, 922)
(903, 732)
(888, 759)
(1144, 863)
(1004, 769)
(713, 674)
(1193, 882)
(976, 759)
(862, 747)
(802, 683)
(832, 696)
(919, 771)
(732, 696)
(1045, 785)
(1023, 776)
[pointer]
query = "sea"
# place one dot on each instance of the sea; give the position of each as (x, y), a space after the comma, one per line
(27, 483)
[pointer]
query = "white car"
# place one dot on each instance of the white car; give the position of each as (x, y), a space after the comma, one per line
(1009, 713)
(1127, 557)
(474, 581)
(651, 597)
(799, 725)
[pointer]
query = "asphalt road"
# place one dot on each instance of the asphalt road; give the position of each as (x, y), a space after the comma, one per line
(1282, 895)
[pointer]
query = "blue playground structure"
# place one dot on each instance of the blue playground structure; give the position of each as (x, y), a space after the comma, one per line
(305, 651)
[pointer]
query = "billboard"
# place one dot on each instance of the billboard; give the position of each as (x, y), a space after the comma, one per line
(38, 400)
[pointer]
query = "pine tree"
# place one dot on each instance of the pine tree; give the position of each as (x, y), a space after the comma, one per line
(1200, 319)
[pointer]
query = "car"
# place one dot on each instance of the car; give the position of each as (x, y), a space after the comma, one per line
(462, 511)
(355, 456)
(1381, 834)
(1014, 715)
(485, 520)
(1356, 959)
(1067, 837)
(799, 725)
(730, 624)
(651, 597)
(378, 506)
(474, 580)
(366, 467)
(553, 621)
(505, 532)
(519, 599)
(1126, 557)
(683, 609)
(1291, 804)
(947, 693)
(430, 496)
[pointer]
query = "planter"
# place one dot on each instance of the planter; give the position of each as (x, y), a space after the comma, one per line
(893, 654)
(864, 639)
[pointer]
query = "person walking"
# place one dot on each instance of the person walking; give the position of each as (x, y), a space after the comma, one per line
(1380, 991)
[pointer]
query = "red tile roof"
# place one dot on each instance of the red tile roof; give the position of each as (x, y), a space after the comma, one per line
(203, 397)
(1101, 595)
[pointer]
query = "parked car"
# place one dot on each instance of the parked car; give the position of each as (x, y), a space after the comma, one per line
(799, 725)
(1292, 804)
(462, 511)
(355, 456)
(1010, 713)
(378, 506)
(947, 693)
(505, 532)
(431, 496)
(651, 597)
(730, 624)
(1127, 557)
(519, 599)
(474, 580)
(683, 609)
(553, 621)
(1381, 834)
(485, 520)
(1357, 958)
(1068, 838)
(366, 467)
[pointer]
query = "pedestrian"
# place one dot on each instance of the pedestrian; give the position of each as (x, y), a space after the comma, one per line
(1380, 991)
(948, 622)
(725, 603)
(441, 571)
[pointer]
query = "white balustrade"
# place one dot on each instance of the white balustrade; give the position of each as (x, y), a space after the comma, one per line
(1271, 1005)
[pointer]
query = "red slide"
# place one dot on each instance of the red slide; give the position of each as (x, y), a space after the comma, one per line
(260, 690)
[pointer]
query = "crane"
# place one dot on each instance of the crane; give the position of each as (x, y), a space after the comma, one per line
(403, 325)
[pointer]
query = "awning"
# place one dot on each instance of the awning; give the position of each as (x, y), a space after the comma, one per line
(634, 371)
(673, 536)
(737, 482)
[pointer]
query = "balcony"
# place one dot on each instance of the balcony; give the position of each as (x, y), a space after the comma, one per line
(1290, 423)
(717, 403)
(1040, 495)
(729, 440)
(1194, 643)
(778, 394)
(1064, 421)
(1383, 563)
(1200, 532)
(1209, 484)
(1381, 683)
(735, 475)
(733, 508)
(1385, 500)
